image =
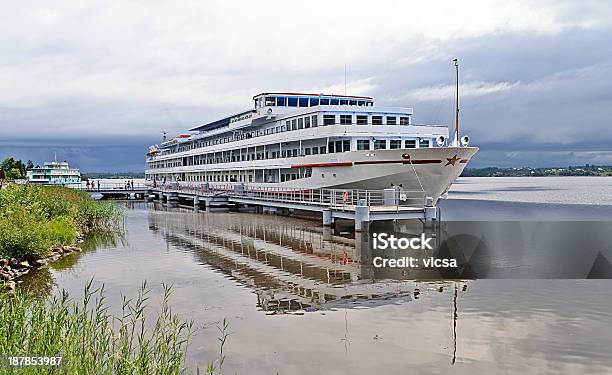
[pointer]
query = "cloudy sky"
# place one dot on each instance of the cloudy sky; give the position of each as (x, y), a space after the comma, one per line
(97, 81)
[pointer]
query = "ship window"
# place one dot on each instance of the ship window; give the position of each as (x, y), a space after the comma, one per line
(324, 101)
(410, 143)
(363, 144)
(404, 121)
(314, 121)
(292, 102)
(306, 122)
(281, 101)
(322, 150)
(315, 150)
(360, 102)
(395, 143)
(353, 102)
(391, 120)
(307, 151)
(300, 123)
(333, 101)
(344, 102)
(330, 147)
(376, 120)
(380, 145)
(295, 153)
(303, 102)
(362, 120)
(338, 146)
(346, 119)
(293, 125)
(314, 102)
(424, 143)
(270, 101)
(329, 119)
(346, 145)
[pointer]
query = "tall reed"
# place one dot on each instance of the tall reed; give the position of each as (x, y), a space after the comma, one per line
(90, 339)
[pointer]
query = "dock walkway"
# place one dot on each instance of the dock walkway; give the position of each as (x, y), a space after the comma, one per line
(360, 206)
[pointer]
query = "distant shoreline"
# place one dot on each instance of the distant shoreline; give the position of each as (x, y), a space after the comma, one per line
(586, 170)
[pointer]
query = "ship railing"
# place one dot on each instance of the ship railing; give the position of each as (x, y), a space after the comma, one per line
(339, 199)
(111, 187)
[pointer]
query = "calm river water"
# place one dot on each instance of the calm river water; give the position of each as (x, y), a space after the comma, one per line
(301, 300)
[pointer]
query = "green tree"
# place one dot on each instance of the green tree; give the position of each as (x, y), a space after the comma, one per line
(29, 165)
(14, 174)
(11, 163)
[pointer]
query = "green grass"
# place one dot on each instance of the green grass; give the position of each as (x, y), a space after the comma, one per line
(93, 341)
(33, 219)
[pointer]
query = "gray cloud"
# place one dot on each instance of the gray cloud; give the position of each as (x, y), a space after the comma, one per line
(103, 80)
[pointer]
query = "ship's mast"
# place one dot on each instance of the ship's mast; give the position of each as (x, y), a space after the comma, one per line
(456, 138)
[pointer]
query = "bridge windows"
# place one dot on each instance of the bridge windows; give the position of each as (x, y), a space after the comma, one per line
(362, 120)
(329, 119)
(346, 119)
(404, 120)
(395, 144)
(409, 143)
(424, 143)
(391, 120)
(281, 101)
(270, 101)
(303, 102)
(377, 120)
(293, 101)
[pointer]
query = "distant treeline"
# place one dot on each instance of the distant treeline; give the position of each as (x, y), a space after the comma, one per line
(586, 170)
(126, 175)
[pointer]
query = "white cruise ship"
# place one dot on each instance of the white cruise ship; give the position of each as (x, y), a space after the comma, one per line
(294, 140)
(54, 173)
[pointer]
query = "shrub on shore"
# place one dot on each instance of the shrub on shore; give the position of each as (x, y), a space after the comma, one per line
(90, 339)
(33, 219)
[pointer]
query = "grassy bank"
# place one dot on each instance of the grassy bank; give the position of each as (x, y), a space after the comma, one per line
(34, 219)
(90, 339)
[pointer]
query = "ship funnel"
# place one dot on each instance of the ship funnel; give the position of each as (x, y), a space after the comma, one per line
(465, 140)
(441, 140)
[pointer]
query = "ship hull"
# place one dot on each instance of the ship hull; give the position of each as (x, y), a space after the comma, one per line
(427, 170)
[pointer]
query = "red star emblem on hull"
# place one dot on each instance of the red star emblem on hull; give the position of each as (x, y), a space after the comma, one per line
(452, 161)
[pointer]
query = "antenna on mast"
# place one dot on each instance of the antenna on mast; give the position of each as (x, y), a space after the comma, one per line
(164, 136)
(456, 137)
(344, 79)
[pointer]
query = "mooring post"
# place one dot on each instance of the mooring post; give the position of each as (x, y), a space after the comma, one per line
(430, 211)
(328, 220)
(196, 202)
(362, 216)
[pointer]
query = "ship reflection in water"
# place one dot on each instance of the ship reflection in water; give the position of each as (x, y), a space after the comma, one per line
(296, 268)
(303, 299)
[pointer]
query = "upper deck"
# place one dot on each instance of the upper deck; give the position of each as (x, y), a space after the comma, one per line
(270, 106)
